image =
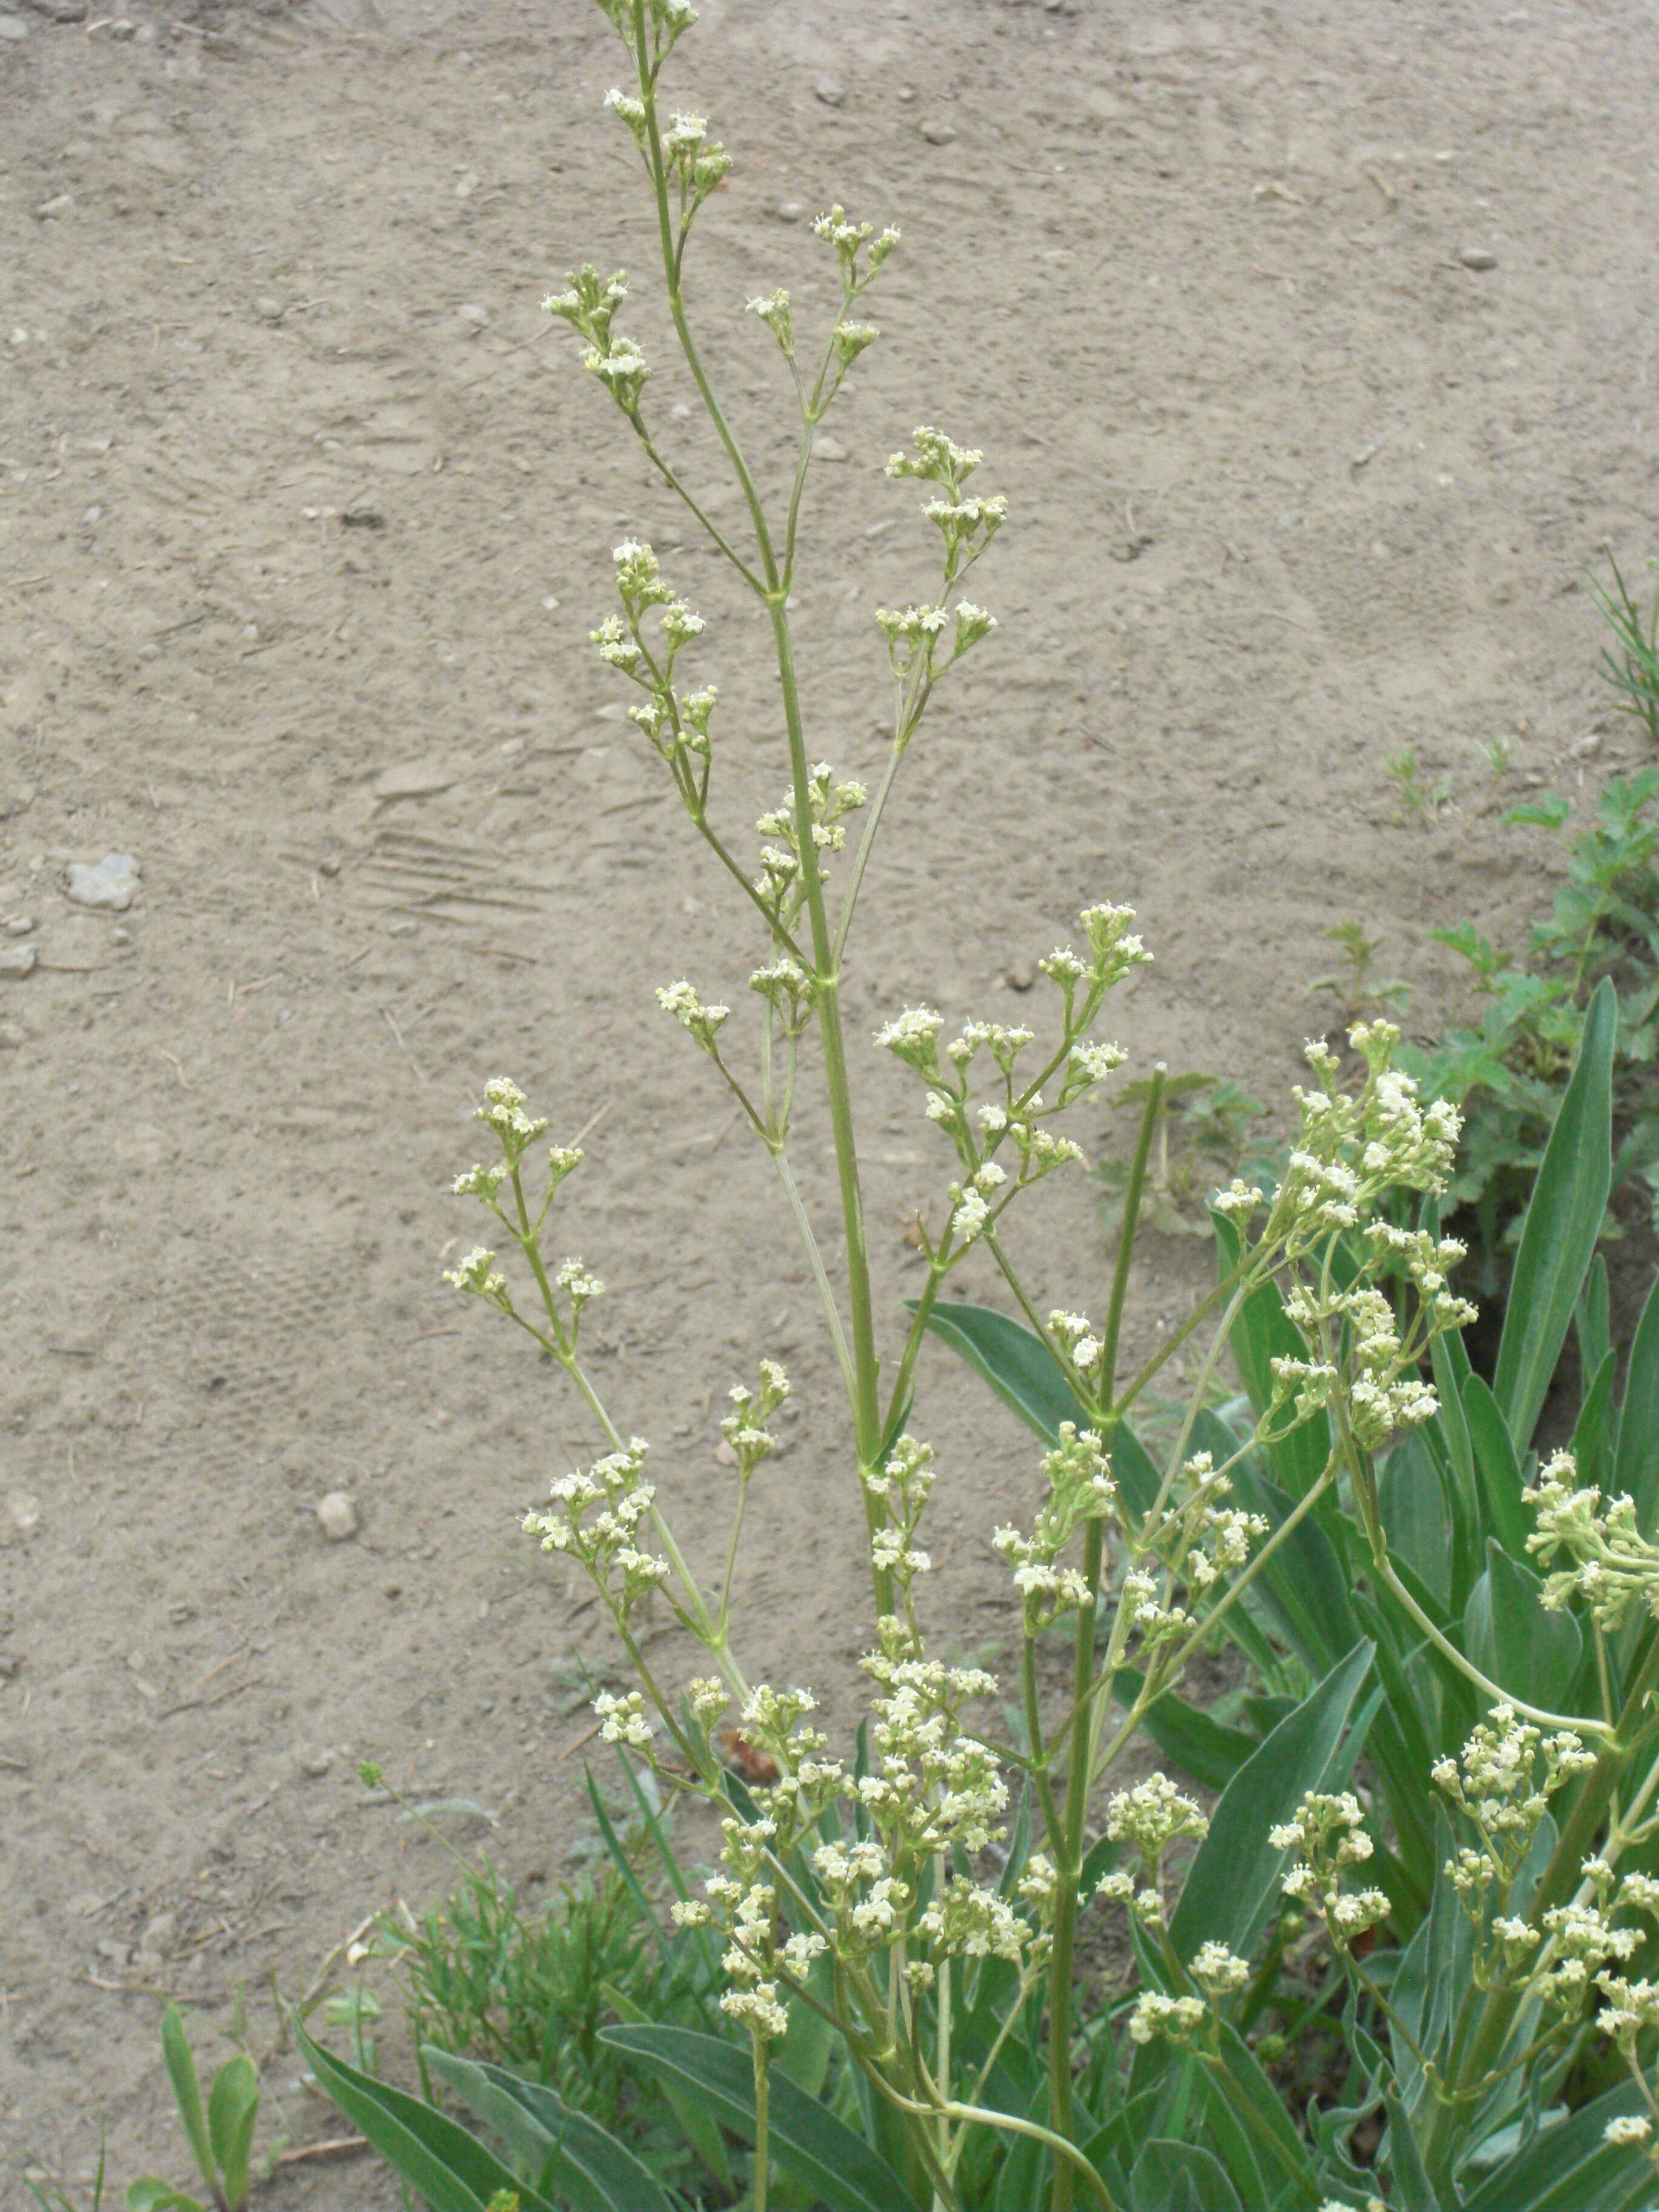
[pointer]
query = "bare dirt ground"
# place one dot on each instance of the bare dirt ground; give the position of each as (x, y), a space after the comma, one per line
(295, 490)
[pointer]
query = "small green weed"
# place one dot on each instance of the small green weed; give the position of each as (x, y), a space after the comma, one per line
(1509, 1073)
(221, 2134)
(1418, 800)
(1361, 995)
(1631, 663)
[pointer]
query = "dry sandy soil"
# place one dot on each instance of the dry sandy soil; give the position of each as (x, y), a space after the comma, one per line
(1292, 485)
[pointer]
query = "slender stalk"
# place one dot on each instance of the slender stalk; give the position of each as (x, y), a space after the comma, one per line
(820, 1274)
(762, 2138)
(1126, 1241)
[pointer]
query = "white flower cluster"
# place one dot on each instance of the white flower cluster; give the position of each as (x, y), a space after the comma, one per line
(606, 1544)
(1199, 1536)
(1149, 1818)
(666, 21)
(1350, 1150)
(1509, 1772)
(779, 885)
(1080, 1489)
(966, 1921)
(932, 1788)
(1177, 2018)
(702, 1021)
(696, 164)
(742, 1427)
(859, 248)
(1328, 1837)
(903, 1483)
(1377, 1376)
(1611, 1562)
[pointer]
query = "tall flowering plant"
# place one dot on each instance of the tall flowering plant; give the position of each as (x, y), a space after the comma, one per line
(1355, 1527)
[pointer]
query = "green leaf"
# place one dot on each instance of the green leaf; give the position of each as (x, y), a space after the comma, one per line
(1590, 1319)
(1262, 1334)
(233, 2107)
(435, 2154)
(1413, 2192)
(1637, 1469)
(1016, 1363)
(152, 2195)
(1025, 1375)
(1547, 813)
(1178, 2177)
(576, 2159)
(1202, 1748)
(1594, 1435)
(1497, 1467)
(1234, 1877)
(807, 2141)
(1563, 1221)
(1532, 1654)
(1570, 2168)
(187, 2093)
(701, 2127)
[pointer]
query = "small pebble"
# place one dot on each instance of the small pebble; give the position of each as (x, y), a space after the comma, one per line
(336, 1517)
(61, 11)
(17, 960)
(13, 27)
(476, 317)
(267, 309)
(1022, 977)
(122, 28)
(830, 92)
(20, 924)
(1477, 257)
(364, 514)
(61, 203)
(11, 1037)
(938, 134)
(328, 865)
(111, 885)
(827, 448)
(789, 210)
(25, 1515)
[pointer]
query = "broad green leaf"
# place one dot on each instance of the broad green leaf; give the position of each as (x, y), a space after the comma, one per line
(1016, 1363)
(1636, 1470)
(702, 2128)
(1570, 2168)
(232, 2108)
(187, 2093)
(1412, 1501)
(808, 2141)
(1303, 1580)
(1563, 1221)
(1262, 1334)
(1594, 1434)
(1202, 1748)
(435, 2154)
(1259, 2108)
(1498, 1469)
(1234, 1879)
(1532, 1654)
(576, 2162)
(152, 2195)
(1180, 2176)
(1412, 2190)
(1590, 1320)
(1025, 1375)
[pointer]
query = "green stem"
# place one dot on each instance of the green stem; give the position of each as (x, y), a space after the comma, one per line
(1126, 1241)
(762, 2141)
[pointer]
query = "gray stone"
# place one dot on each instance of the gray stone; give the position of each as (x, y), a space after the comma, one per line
(336, 1517)
(13, 27)
(111, 884)
(17, 961)
(61, 11)
(938, 134)
(829, 92)
(1477, 257)
(267, 309)
(364, 514)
